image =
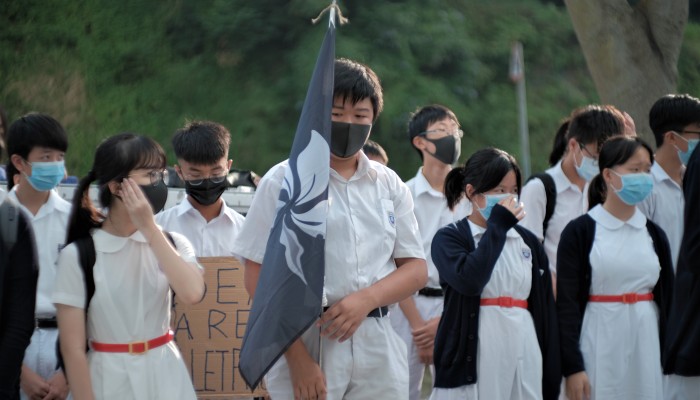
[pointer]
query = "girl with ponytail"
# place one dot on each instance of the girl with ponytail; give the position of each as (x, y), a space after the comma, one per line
(614, 283)
(497, 337)
(135, 267)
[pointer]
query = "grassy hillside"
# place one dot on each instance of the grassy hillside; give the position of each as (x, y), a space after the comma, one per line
(103, 67)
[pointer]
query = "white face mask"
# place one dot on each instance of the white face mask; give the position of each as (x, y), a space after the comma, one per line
(588, 168)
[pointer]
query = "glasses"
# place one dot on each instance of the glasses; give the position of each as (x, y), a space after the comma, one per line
(155, 176)
(584, 148)
(196, 180)
(687, 131)
(458, 133)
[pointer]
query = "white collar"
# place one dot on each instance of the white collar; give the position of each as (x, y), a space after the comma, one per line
(54, 203)
(364, 167)
(107, 243)
(423, 186)
(185, 206)
(478, 231)
(603, 217)
(561, 181)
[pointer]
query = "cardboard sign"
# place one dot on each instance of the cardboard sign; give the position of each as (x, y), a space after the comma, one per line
(210, 334)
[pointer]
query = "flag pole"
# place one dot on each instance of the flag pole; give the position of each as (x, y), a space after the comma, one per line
(517, 75)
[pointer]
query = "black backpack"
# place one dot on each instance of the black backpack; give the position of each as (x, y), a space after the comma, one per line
(550, 190)
(9, 223)
(87, 257)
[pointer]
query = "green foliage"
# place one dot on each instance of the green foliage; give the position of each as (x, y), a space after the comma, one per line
(104, 67)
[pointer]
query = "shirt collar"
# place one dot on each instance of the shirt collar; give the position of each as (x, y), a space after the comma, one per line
(423, 186)
(659, 174)
(108, 243)
(54, 203)
(478, 231)
(603, 217)
(561, 182)
(364, 167)
(185, 206)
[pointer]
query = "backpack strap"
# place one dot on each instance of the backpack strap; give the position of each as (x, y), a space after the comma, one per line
(87, 256)
(550, 191)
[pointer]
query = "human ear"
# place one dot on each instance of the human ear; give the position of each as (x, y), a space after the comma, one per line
(17, 161)
(115, 188)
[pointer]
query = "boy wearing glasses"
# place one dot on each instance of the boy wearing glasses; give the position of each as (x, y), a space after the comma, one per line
(201, 148)
(435, 134)
(675, 121)
(567, 181)
(37, 144)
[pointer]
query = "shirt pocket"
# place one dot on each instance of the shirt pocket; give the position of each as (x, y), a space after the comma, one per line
(388, 217)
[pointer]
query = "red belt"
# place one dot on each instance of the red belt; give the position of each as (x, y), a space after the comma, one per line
(137, 348)
(627, 298)
(504, 302)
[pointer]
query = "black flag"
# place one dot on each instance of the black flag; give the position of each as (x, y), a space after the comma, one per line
(288, 296)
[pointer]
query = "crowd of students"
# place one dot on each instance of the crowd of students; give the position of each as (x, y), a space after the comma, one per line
(587, 272)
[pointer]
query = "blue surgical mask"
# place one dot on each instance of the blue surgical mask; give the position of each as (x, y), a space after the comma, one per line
(46, 175)
(635, 187)
(491, 200)
(685, 155)
(588, 168)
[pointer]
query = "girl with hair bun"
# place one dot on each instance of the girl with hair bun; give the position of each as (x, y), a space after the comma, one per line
(134, 269)
(614, 283)
(497, 338)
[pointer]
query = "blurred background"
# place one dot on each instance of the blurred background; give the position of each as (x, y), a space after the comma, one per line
(103, 67)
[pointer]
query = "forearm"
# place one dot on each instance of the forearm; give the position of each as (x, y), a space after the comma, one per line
(410, 276)
(78, 374)
(185, 278)
(251, 274)
(410, 311)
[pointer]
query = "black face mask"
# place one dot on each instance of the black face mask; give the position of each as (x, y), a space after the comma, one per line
(156, 194)
(207, 192)
(348, 139)
(447, 149)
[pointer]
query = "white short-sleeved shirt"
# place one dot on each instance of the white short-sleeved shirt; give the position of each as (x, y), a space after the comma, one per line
(50, 226)
(432, 213)
(131, 303)
(571, 203)
(209, 239)
(664, 206)
(370, 222)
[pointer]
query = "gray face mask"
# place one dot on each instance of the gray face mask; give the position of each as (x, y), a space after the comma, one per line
(447, 149)
(348, 139)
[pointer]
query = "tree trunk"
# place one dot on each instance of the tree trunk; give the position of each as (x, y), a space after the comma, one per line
(631, 50)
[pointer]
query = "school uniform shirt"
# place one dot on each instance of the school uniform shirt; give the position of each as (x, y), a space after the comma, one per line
(571, 202)
(209, 239)
(131, 303)
(664, 206)
(617, 344)
(370, 222)
(432, 213)
(50, 225)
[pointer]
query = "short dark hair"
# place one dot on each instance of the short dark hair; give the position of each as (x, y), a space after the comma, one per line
(201, 142)
(595, 124)
(30, 131)
(484, 170)
(424, 116)
(673, 112)
(356, 81)
(373, 148)
(615, 151)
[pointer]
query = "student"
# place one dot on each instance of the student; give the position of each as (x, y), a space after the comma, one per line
(497, 338)
(682, 345)
(567, 181)
(375, 152)
(134, 269)
(37, 144)
(434, 133)
(201, 148)
(675, 121)
(370, 261)
(19, 271)
(559, 144)
(615, 279)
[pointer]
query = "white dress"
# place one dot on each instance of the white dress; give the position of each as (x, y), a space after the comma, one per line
(620, 342)
(131, 303)
(509, 360)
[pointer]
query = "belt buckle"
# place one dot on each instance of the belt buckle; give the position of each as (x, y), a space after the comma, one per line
(630, 298)
(137, 352)
(505, 302)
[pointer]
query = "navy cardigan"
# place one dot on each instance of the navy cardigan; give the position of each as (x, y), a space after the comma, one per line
(683, 339)
(464, 271)
(574, 285)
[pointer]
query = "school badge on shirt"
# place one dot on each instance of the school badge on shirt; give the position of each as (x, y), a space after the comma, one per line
(526, 253)
(391, 218)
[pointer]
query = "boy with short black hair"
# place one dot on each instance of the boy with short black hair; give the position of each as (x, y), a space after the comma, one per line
(201, 148)
(37, 144)
(675, 121)
(435, 133)
(373, 258)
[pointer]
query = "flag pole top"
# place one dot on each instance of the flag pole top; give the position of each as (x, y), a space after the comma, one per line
(333, 8)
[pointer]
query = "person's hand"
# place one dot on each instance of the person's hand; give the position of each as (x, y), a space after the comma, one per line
(578, 387)
(343, 318)
(33, 385)
(58, 387)
(514, 206)
(424, 337)
(138, 207)
(308, 380)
